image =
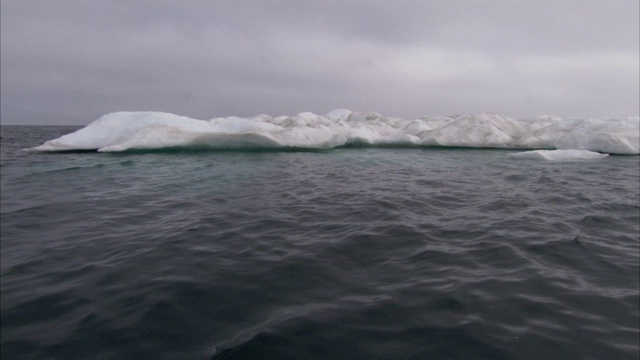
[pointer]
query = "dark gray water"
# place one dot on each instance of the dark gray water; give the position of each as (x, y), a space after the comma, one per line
(351, 253)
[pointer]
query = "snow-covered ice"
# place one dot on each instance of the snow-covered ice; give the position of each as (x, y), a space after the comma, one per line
(122, 131)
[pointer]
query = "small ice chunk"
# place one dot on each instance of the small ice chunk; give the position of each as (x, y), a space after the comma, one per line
(560, 155)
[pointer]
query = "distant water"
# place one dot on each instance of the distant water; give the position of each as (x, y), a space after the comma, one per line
(348, 253)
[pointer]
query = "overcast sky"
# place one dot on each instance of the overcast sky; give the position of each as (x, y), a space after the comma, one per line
(69, 62)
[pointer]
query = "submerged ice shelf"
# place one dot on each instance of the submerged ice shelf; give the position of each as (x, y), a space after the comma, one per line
(121, 131)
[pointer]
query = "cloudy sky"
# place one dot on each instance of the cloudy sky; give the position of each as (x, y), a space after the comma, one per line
(69, 62)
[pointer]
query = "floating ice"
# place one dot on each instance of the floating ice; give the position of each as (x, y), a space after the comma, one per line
(122, 131)
(560, 155)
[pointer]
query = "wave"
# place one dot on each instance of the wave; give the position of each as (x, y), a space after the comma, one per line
(125, 131)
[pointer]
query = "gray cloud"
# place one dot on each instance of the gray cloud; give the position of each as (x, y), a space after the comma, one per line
(72, 61)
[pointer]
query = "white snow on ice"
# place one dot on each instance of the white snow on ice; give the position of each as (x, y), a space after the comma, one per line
(122, 131)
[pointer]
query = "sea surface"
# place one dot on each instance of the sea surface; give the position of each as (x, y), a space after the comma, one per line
(346, 253)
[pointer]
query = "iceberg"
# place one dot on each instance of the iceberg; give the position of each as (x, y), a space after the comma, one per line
(122, 131)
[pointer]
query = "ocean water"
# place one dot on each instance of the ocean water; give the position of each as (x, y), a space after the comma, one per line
(345, 253)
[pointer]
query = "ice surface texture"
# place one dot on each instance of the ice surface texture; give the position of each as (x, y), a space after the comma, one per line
(122, 131)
